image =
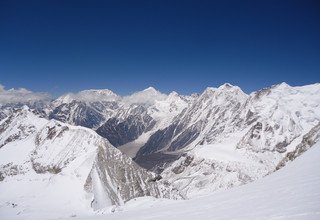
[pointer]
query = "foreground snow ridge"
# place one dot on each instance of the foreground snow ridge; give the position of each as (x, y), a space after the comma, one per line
(290, 193)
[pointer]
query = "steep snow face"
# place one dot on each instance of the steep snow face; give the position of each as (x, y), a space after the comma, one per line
(72, 163)
(282, 114)
(165, 110)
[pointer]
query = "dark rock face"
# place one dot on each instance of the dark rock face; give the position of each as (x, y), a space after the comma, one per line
(3, 115)
(121, 131)
(158, 141)
(123, 172)
(186, 137)
(156, 162)
(164, 139)
(307, 142)
(186, 162)
(122, 179)
(20, 133)
(78, 113)
(10, 169)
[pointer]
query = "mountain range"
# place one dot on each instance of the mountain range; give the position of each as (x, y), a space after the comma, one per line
(115, 148)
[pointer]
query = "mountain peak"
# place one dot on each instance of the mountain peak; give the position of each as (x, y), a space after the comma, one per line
(106, 92)
(210, 90)
(173, 94)
(90, 95)
(150, 89)
(226, 86)
(282, 85)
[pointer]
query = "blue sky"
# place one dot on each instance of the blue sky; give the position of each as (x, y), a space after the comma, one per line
(62, 46)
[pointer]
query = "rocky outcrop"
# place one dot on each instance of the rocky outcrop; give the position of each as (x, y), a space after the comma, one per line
(120, 130)
(307, 142)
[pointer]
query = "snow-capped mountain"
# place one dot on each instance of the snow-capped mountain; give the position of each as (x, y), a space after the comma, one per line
(73, 163)
(224, 136)
(244, 140)
(88, 108)
(210, 113)
(119, 119)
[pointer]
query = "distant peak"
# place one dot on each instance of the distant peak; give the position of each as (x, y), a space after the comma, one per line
(89, 95)
(283, 84)
(225, 89)
(99, 91)
(226, 86)
(173, 93)
(210, 90)
(150, 89)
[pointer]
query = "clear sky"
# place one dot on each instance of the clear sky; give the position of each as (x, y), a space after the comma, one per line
(60, 46)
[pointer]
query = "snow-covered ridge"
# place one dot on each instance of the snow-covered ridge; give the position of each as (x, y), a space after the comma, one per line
(91, 95)
(146, 96)
(47, 154)
(228, 138)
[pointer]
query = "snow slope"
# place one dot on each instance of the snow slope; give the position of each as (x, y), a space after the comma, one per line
(290, 193)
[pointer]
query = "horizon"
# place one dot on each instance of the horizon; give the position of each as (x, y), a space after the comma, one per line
(46, 95)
